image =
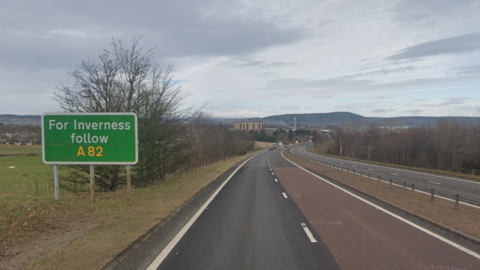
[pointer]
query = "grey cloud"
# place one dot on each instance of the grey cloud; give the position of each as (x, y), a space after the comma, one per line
(356, 105)
(177, 29)
(323, 96)
(419, 100)
(381, 110)
(309, 84)
(289, 107)
(323, 88)
(453, 45)
(383, 71)
(468, 70)
(381, 97)
(241, 63)
(415, 112)
(454, 101)
(427, 11)
(448, 102)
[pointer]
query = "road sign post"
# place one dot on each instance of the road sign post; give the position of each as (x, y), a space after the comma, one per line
(89, 139)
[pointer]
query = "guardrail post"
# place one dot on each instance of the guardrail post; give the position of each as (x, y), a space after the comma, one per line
(404, 186)
(457, 198)
(413, 189)
(390, 181)
(361, 173)
(354, 172)
(368, 175)
(432, 195)
(379, 179)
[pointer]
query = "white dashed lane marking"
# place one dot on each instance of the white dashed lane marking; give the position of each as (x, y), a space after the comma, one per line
(309, 233)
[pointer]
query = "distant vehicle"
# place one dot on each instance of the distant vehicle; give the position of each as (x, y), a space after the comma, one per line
(270, 149)
(286, 146)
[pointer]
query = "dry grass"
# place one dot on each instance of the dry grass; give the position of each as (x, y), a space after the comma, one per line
(117, 225)
(465, 220)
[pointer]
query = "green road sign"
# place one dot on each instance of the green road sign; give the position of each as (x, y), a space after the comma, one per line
(90, 138)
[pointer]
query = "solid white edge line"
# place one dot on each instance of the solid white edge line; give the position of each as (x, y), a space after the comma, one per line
(308, 233)
(156, 263)
(453, 244)
(284, 195)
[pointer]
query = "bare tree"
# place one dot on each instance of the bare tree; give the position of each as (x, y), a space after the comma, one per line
(373, 135)
(129, 80)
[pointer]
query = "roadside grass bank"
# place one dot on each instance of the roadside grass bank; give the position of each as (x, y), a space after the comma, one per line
(312, 150)
(466, 220)
(100, 231)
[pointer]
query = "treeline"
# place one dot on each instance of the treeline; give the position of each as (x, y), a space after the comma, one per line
(283, 135)
(262, 136)
(449, 145)
(20, 134)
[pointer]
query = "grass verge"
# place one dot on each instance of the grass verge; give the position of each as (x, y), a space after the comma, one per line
(111, 225)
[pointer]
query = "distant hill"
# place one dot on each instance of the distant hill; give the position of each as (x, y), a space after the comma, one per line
(344, 119)
(20, 120)
(286, 120)
(316, 119)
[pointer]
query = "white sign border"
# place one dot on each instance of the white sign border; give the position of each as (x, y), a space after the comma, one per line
(90, 162)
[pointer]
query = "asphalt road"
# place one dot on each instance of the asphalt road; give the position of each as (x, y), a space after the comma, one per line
(441, 184)
(274, 215)
(251, 225)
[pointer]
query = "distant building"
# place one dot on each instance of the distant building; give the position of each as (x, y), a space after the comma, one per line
(248, 126)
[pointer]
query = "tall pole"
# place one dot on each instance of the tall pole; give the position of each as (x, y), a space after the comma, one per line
(56, 182)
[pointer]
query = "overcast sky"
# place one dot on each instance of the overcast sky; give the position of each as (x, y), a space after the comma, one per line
(378, 58)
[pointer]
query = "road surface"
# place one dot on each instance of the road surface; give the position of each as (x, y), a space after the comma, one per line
(250, 225)
(273, 215)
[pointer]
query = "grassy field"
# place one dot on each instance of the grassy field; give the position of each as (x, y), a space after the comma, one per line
(17, 173)
(92, 234)
(20, 149)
